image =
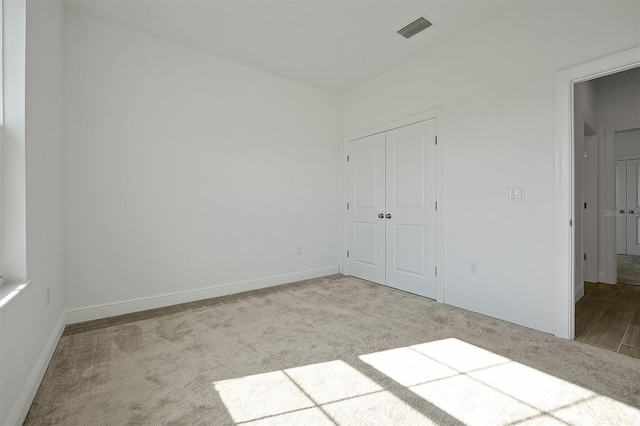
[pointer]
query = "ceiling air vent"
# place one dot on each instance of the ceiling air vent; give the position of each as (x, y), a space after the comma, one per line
(414, 28)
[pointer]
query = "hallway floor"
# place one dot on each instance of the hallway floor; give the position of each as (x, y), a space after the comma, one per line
(608, 316)
(628, 269)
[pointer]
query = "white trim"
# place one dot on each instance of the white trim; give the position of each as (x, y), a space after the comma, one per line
(159, 301)
(628, 157)
(579, 293)
(438, 114)
(10, 291)
(412, 119)
(440, 287)
(564, 247)
(344, 263)
(22, 405)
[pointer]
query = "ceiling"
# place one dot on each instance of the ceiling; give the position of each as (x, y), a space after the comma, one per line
(332, 45)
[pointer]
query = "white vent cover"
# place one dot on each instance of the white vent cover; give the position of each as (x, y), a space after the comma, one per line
(415, 27)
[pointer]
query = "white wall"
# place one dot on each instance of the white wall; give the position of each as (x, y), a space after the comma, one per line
(186, 171)
(628, 143)
(13, 143)
(618, 96)
(29, 325)
(497, 89)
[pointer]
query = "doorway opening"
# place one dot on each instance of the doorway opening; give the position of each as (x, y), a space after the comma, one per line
(569, 255)
(606, 180)
(627, 143)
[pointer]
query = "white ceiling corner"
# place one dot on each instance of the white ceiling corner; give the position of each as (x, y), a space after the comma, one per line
(332, 45)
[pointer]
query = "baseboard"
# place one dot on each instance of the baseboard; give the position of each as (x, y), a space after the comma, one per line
(142, 304)
(21, 408)
(579, 293)
(603, 277)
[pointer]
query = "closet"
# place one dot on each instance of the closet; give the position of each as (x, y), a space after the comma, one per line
(391, 218)
(628, 206)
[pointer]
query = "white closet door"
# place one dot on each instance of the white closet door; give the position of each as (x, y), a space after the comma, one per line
(633, 207)
(366, 192)
(411, 215)
(621, 206)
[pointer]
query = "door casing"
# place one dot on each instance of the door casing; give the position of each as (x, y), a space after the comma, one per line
(565, 213)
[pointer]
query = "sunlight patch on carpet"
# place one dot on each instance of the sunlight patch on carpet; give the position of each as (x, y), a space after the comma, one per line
(332, 381)
(472, 385)
(338, 392)
(485, 388)
(261, 395)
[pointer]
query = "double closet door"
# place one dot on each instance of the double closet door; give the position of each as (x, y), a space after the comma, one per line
(391, 218)
(628, 206)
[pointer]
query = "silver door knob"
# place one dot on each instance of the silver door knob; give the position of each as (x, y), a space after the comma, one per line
(631, 212)
(388, 215)
(381, 215)
(622, 212)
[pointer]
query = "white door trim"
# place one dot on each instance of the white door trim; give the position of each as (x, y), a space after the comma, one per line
(438, 114)
(564, 247)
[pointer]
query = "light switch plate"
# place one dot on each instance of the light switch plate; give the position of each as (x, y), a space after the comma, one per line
(516, 195)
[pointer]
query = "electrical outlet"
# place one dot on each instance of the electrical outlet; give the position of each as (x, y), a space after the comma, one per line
(473, 267)
(299, 250)
(48, 295)
(516, 195)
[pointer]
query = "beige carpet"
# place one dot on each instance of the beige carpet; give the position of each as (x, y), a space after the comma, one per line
(335, 350)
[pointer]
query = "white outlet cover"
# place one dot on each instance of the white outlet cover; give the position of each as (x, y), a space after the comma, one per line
(516, 195)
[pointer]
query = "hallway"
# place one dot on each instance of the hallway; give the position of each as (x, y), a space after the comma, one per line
(608, 316)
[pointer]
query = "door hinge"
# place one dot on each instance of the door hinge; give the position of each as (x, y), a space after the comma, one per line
(585, 256)
(347, 253)
(436, 205)
(570, 222)
(436, 271)
(347, 158)
(585, 205)
(347, 206)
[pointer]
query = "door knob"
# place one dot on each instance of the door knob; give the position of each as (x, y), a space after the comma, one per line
(381, 215)
(631, 212)
(388, 215)
(621, 212)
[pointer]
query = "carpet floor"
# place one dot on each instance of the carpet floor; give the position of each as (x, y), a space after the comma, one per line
(333, 350)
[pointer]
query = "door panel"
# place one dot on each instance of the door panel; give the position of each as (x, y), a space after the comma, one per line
(633, 207)
(410, 249)
(410, 176)
(365, 186)
(411, 196)
(365, 162)
(366, 242)
(621, 206)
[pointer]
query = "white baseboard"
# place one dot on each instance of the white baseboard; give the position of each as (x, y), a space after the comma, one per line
(579, 292)
(21, 408)
(606, 278)
(142, 304)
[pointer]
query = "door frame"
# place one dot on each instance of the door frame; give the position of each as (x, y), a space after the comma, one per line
(565, 214)
(590, 194)
(438, 114)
